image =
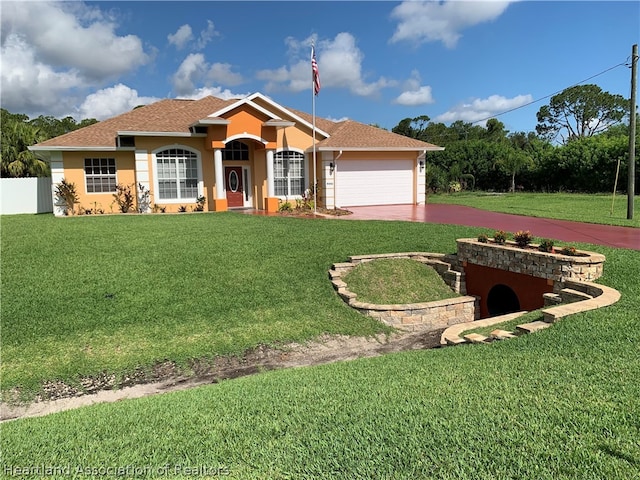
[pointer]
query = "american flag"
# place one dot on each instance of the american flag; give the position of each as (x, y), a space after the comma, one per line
(315, 72)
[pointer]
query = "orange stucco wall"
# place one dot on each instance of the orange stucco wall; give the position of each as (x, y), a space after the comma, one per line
(74, 172)
(259, 176)
(293, 138)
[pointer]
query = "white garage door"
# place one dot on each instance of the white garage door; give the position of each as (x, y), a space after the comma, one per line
(374, 182)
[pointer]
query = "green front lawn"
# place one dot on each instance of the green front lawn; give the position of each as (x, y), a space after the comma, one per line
(395, 281)
(589, 208)
(83, 296)
(558, 404)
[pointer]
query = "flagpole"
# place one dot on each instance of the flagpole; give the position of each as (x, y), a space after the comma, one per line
(313, 117)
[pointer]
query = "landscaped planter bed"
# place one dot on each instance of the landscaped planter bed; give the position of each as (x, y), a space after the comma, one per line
(585, 266)
(412, 316)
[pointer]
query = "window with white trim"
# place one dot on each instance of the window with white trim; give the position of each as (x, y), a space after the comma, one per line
(100, 175)
(177, 172)
(288, 173)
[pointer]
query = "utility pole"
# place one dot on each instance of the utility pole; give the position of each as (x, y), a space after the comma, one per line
(632, 134)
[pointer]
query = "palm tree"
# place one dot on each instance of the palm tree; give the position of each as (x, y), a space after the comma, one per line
(512, 162)
(17, 160)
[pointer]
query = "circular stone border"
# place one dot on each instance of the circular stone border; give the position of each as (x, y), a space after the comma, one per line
(412, 316)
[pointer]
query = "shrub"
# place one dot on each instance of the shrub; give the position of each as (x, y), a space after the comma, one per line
(67, 195)
(144, 199)
(285, 207)
(158, 209)
(124, 198)
(522, 238)
(546, 245)
(569, 250)
(482, 238)
(182, 209)
(200, 201)
(500, 236)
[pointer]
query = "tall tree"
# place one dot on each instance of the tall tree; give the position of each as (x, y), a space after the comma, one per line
(580, 111)
(512, 161)
(17, 160)
(52, 127)
(412, 127)
(496, 131)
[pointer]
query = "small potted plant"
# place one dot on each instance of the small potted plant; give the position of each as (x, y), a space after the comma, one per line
(569, 250)
(500, 237)
(482, 238)
(546, 245)
(522, 238)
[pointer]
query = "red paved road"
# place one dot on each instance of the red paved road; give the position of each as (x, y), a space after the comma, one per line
(620, 237)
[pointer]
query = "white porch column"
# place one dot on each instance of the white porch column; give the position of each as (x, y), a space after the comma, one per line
(270, 187)
(217, 163)
(220, 198)
(329, 166)
(421, 180)
(142, 178)
(57, 175)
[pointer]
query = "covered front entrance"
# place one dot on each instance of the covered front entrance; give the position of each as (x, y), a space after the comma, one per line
(234, 186)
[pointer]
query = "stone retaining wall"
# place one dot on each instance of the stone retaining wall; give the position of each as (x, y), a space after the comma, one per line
(413, 316)
(585, 266)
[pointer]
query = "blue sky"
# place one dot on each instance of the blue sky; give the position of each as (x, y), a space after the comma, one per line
(379, 61)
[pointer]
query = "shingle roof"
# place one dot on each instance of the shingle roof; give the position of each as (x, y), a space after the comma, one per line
(353, 135)
(176, 116)
(169, 115)
(322, 123)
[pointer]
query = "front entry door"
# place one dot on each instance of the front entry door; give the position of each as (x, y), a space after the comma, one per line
(234, 187)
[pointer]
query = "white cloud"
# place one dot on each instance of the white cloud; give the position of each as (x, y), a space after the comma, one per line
(61, 37)
(421, 96)
(182, 36)
(415, 93)
(339, 64)
(194, 70)
(112, 101)
(30, 86)
(482, 109)
(338, 120)
(420, 21)
(206, 35)
(51, 51)
(219, 92)
(221, 73)
(191, 71)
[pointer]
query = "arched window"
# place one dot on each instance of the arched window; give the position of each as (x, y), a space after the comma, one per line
(288, 173)
(177, 174)
(235, 150)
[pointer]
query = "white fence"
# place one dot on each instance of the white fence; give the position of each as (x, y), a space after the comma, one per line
(25, 195)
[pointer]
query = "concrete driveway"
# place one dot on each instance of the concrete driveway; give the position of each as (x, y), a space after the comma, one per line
(566, 231)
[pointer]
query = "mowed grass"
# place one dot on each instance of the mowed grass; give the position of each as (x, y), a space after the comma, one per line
(395, 281)
(558, 404)
(112, 294)
(589, 208)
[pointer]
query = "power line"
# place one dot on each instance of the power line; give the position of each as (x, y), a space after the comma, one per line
(625, 63)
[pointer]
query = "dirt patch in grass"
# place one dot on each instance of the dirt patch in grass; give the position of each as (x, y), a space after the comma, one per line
(167, 377)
